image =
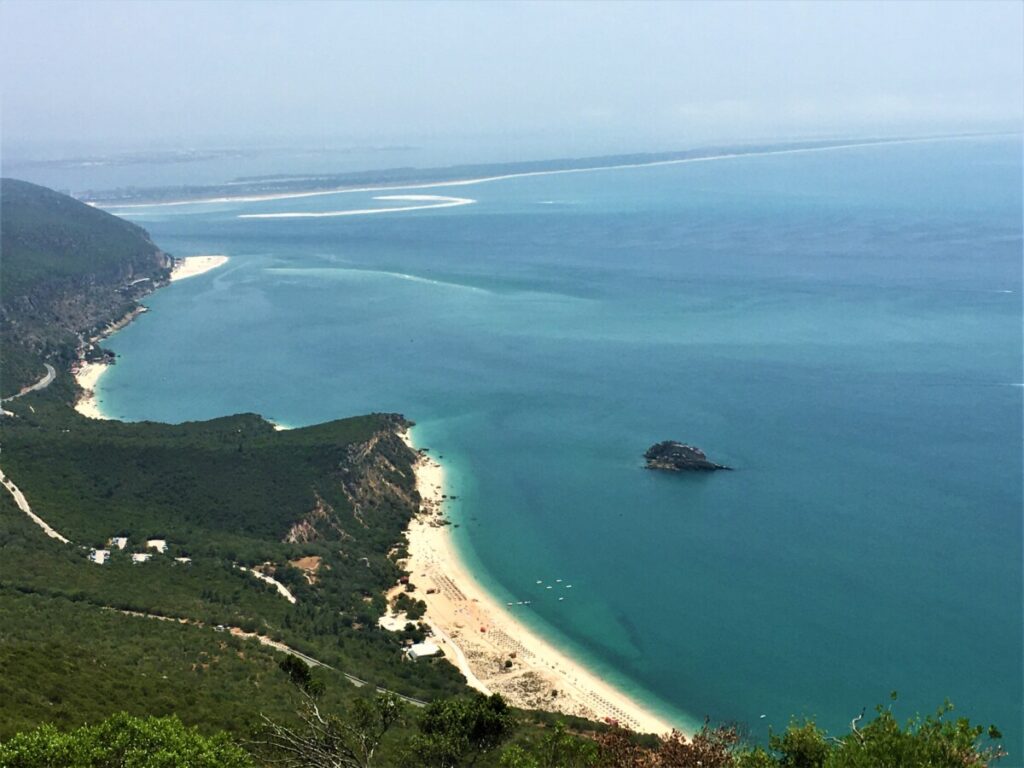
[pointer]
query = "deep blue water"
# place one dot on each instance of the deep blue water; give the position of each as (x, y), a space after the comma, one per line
(843, 327)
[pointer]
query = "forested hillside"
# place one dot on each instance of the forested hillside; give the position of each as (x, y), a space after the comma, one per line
(206, 512)
(66, 270)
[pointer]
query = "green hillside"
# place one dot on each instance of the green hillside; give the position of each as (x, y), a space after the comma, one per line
(66, 270)
(225, 494)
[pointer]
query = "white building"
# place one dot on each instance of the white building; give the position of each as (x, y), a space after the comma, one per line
(141, 557)
(183, 560)
(119, 541)
(423, 650)
(99, 556)
(160, 545)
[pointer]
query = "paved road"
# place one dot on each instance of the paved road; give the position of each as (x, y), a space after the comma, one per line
(43, 383)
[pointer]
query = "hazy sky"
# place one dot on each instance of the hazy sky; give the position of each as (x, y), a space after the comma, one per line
(141, 73)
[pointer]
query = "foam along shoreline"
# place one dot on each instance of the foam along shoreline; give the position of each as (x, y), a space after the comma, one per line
(114, 207)
(479, 636)
(191, 266)
(433, 201)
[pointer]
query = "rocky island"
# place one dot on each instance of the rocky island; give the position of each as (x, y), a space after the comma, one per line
(677, 457)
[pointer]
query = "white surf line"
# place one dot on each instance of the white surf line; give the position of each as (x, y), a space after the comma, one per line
(301, 271)
(437, 201)
(525, 174)
(281, 588)
(22, 502)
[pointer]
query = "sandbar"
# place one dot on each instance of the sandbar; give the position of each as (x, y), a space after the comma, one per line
(191, 266)
(479, 636)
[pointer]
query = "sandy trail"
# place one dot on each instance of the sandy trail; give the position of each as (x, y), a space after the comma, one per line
(22, 502)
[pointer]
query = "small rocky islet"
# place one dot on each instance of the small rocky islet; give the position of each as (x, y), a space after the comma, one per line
(673, 456)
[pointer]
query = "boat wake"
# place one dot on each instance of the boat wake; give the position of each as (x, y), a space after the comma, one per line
(429, 202)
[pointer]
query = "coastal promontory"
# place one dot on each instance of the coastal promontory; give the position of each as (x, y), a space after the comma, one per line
(673, 456)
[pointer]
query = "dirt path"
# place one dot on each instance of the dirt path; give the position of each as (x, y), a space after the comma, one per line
(22, 502)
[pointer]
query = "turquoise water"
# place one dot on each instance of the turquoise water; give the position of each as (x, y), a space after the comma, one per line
(843, 327)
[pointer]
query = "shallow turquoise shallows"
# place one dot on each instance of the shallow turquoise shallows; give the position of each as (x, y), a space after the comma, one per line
(842, 327)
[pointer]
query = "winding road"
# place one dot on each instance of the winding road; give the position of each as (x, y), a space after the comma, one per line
(43, 383)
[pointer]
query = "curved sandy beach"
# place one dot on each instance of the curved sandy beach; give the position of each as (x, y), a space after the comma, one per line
(88, 375)
(458, 608)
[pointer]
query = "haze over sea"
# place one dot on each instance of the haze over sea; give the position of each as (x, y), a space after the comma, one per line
(842, 327)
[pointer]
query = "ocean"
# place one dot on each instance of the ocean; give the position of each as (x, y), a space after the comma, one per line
(842, 327)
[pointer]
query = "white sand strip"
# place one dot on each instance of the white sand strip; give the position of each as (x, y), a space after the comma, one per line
(438, 201)
(113, 207)
(88, 376)
(22, 502)
(458, 608)
(191, 266)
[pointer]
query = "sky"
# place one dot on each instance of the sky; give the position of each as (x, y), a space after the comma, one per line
(149, 74)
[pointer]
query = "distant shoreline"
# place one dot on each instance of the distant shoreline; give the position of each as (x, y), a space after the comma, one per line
(455, 176)
(480, 636)
(87, 374)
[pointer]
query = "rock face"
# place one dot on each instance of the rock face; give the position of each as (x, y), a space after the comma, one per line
(677, 457)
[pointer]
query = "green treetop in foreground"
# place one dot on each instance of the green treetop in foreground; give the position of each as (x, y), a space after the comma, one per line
(483, 731)
(126, 742)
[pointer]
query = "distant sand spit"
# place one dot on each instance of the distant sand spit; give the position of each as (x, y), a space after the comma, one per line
(479, 636)
(434, 201)
(191, 266)
(114, 207)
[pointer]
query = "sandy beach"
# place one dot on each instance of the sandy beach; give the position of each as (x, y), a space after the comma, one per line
(88, 375)
(458, 609)
(191, 266)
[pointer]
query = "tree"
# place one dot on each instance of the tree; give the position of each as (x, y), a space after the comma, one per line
(331, 741)
(457, 732)
(300, 674)
(557, 749)
(126, 742)
(709, 748)
(935, 741)
(801, 746)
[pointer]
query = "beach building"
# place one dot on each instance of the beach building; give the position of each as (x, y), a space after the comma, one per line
(160, 545)
(141, 557)
(99, 556)
(119, 541)
(422, 651)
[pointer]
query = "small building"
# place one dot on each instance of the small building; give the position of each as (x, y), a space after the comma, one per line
(423, 650)
(393, 623)
(183, 560)
(99, 556)
(141, 557)
(160, 545)
(119, 541)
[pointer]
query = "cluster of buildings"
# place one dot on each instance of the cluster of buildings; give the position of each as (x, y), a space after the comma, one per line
(101, 556)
